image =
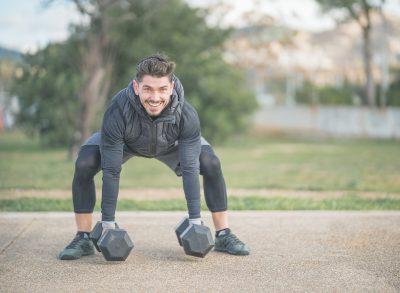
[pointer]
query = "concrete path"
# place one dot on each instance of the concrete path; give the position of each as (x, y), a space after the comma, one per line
(291, 252)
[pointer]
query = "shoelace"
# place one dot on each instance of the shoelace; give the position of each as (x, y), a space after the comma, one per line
(74, 243)
(231, 240)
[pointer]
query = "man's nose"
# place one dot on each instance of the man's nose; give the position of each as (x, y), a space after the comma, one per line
(155, 96)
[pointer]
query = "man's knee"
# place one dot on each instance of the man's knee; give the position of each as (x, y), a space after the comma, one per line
(88, 161)
(210, 165)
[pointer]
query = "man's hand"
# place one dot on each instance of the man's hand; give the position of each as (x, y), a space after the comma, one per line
(107, 225)
(197, 221)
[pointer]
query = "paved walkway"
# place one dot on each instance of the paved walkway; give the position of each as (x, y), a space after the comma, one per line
(291, 252)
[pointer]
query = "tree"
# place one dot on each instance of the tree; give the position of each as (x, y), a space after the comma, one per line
(47, 86)
(99, 68)
(360, 11)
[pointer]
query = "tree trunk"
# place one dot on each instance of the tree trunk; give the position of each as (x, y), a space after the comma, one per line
(367, 56)
(385, 78)
(96, 69)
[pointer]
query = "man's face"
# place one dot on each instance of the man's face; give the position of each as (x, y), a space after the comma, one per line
(154, 93)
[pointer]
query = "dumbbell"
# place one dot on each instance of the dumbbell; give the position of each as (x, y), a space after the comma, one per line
(195, 239)
(114, 244)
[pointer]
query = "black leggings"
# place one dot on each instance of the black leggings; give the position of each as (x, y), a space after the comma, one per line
(88, 164)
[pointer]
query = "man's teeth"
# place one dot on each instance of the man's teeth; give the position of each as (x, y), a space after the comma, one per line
(154, 104)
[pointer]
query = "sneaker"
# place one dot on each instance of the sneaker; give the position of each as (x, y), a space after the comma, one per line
(79, 246)
(231, 244)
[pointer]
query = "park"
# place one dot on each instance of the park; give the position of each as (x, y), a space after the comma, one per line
(182, 151)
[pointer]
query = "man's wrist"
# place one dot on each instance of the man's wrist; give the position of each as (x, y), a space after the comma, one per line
(196, 221)
(108, 224)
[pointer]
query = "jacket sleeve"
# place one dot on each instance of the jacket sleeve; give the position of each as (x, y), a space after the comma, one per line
(189, 152)
(111, 148)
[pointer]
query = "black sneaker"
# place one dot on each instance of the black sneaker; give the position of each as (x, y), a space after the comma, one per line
(79, 246)
(231, 244)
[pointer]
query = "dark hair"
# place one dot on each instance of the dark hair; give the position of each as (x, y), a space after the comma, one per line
(155, 65)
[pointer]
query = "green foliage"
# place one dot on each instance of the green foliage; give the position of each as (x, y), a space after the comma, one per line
(7, 69)
(223, 104)
(327, 95)
(353, 6)
(393, 94)
(49, 86)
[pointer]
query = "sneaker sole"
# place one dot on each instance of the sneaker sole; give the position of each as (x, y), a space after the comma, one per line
(72, 257)
(232, 252)
(68, 257)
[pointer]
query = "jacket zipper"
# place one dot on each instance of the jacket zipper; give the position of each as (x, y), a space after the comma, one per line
(153, 144)
(153, 139)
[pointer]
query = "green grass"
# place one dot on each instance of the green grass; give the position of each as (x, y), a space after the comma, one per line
(235, 203)
(286, 163)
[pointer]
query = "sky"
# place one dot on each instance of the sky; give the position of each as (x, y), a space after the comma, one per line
(26, 25)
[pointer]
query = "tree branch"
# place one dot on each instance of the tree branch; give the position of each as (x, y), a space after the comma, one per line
(81, 8)
(353, 13)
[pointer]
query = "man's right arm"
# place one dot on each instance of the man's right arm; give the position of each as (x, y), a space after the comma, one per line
(111, 148)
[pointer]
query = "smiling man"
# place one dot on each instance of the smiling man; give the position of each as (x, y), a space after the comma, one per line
(150, 118)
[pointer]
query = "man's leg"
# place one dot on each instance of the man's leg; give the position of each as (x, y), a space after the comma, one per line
(220, 220)
(84, 222)
(87, 165)
(216, 199)
(215, 195)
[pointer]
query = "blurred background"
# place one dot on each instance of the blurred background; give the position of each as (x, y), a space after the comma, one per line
(312, 87)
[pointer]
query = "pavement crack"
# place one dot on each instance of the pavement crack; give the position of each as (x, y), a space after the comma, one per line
(17, 236)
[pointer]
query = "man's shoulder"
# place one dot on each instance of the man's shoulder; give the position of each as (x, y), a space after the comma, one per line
(188, 110)
(120, 98)
(190, 124)
(120, 102)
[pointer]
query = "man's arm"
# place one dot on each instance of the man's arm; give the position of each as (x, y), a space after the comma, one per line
(111, 148)
(189, 152)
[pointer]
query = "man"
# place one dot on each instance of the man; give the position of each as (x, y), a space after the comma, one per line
(149, 118)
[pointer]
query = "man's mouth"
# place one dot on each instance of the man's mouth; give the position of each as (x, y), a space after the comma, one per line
(154, 104)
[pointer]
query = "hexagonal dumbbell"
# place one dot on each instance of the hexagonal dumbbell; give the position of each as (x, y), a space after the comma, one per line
(195, 239)
(96, 233)
(114, 244)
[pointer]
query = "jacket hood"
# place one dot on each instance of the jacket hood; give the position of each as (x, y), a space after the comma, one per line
(177, 100)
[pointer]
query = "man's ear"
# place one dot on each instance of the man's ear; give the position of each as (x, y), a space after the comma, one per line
(136, 87)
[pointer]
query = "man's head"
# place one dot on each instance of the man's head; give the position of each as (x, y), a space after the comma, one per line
(154, 83)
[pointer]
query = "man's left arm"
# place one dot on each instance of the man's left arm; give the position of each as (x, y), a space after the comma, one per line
(189, 153)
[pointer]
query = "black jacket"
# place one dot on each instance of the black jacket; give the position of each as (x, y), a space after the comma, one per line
(126, 125)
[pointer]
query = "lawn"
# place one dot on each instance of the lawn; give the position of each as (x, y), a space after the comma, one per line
(286, 163)
(354, 166)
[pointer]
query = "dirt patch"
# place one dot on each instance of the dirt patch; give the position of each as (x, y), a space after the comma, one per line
(177, 193)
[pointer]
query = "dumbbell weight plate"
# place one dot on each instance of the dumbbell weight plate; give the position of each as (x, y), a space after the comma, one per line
(115, 245)
(197, 240)
(180, 228)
